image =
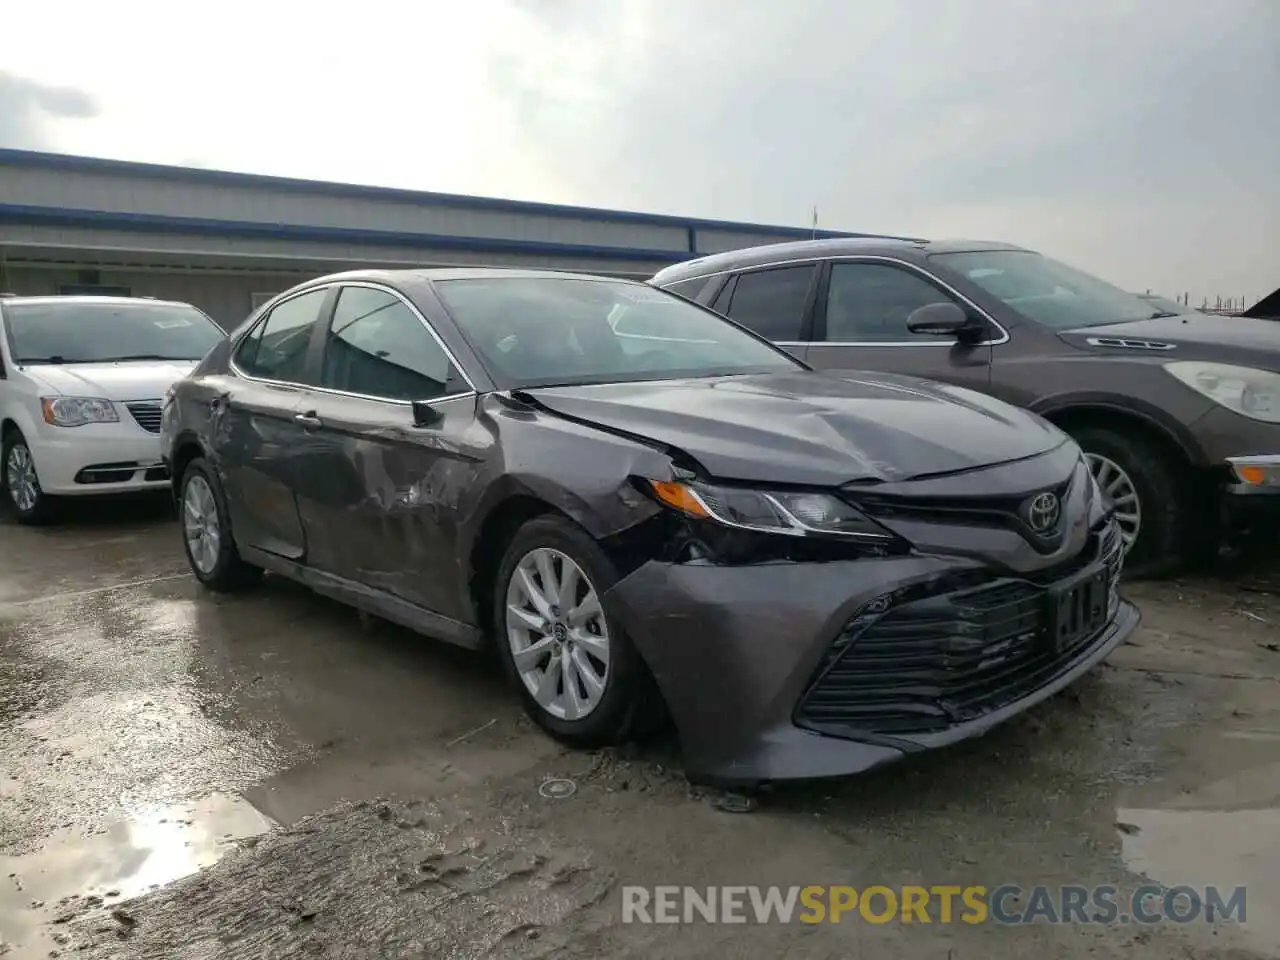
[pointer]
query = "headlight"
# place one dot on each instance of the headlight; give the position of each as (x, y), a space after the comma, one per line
(795, 514)
(77, 411)
(1249, 392)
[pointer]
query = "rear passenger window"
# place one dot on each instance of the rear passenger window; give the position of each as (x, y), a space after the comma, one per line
(378, 347)
(276, 349)
(772, 302)
(689, 289)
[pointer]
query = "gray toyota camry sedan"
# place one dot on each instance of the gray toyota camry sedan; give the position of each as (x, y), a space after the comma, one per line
(649, 511)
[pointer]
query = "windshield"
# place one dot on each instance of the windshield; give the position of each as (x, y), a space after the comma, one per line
(538, 331)
(71, 331)
(1165, 306)
(1047, 291)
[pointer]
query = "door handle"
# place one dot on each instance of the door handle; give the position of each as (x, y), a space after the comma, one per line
(308, 421)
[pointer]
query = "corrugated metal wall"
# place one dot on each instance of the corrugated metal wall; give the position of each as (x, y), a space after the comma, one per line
(82, 190)
(215, 239)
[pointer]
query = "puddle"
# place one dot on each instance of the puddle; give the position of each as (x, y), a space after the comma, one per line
(1225, 835)
(76, 875)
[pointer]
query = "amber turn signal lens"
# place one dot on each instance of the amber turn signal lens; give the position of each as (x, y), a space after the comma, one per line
(680, 497)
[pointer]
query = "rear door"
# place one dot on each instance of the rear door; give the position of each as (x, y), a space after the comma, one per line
(257, 438)
(775, 302)
(377, 502)
(860, 323)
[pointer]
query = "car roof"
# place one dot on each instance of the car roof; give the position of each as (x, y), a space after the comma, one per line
(396, 277)
(818, 249)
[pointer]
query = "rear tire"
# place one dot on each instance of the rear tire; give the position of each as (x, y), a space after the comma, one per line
(1161, 484)
(206, 532)
(555, 658)
(30, 504)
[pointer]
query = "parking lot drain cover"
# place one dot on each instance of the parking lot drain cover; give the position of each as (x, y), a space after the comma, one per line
(734, 803)
(558, 789)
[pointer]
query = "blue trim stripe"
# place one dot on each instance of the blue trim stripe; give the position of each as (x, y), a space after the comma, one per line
(153, 223)
(31, 159)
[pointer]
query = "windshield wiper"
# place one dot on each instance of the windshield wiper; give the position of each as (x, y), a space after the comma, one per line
(1161, 314)
(137, 356)
(54, 359)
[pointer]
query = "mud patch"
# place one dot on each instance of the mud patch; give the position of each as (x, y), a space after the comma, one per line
(367, 880)
(1224, 832)
(86, 878)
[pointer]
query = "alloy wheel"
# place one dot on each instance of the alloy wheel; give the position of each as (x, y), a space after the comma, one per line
(200, 524)
(558, 634)
(1119, 490)
(20, 469)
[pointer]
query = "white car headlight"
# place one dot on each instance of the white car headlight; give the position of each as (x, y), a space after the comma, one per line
(77, 411)
(1249, 392)
(769, 511)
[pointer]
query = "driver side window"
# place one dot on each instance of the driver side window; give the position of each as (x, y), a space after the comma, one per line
(870, 302)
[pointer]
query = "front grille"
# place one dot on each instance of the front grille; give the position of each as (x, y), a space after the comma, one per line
(931, 662)
(981, 511)
(147, 413)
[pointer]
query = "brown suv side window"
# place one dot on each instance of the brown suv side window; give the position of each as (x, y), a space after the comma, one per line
(689, 289)
(870, 302)
(772, 302)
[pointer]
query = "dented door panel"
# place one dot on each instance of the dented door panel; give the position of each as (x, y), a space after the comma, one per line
(256, 440)
(378, 495)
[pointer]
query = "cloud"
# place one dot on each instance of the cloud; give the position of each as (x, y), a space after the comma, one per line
(1136, 138)
(26, 107)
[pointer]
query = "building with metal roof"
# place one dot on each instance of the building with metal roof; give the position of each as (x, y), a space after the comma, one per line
(227, 241)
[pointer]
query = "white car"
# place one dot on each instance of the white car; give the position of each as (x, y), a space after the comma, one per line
(82, 380)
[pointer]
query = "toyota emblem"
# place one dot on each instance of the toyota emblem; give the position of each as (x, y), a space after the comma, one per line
(1043, 511)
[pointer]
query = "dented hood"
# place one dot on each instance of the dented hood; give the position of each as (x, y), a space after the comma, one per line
(812, 428)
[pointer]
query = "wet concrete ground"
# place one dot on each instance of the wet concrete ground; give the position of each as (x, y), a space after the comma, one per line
(149, 730)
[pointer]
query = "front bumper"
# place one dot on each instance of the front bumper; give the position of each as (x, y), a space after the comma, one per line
(97, 459)
(1243, 457)
(756, 663)
(1251, 499)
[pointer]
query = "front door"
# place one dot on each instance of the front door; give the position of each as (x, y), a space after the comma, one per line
(377, 499)
(860, 323)
(257, 433)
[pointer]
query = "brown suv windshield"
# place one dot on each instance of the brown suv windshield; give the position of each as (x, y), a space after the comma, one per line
(1045, 290)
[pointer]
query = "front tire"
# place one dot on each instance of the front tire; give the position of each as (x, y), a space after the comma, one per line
(577, 672)
(1150, 492)
(206, 532)
(20, 483)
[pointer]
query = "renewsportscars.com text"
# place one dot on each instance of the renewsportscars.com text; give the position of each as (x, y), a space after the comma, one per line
(943, 903)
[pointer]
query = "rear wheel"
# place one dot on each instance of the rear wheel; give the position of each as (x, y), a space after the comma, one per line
(20, 482)
(1149, 490)
(576, 669)
(206, 532)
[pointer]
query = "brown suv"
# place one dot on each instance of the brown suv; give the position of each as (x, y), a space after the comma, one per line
(1179, 413)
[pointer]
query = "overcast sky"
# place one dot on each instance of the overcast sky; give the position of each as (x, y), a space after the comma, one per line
(1139, 139)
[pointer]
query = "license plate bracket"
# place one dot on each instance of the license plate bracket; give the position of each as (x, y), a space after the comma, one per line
(1077, 608)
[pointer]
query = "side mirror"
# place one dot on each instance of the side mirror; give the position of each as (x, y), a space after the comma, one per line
(425, 415)
(942, 319)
